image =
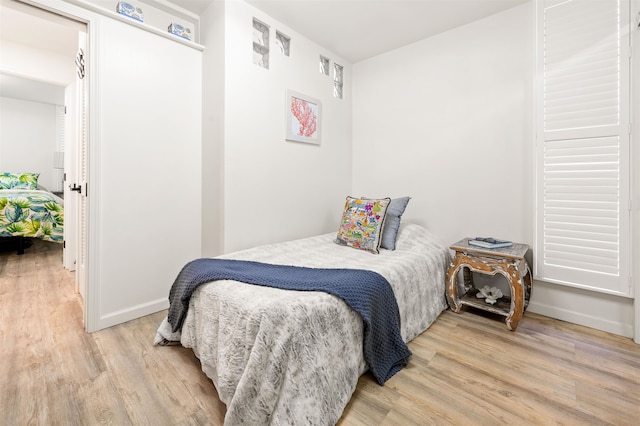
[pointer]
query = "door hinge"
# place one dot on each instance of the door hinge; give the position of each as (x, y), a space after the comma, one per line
(64, 244)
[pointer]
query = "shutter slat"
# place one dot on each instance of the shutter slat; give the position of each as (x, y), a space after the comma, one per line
(591, 106)
(594, 198)
(580, 174)
(599, 256)
(582, 265)
(573, 215)
(584, 235)
(582, 204)
(580, 220)
(553, 229)
(578, 123)
(583, 143)
(587, 160)
(581, 190)
(608, 249)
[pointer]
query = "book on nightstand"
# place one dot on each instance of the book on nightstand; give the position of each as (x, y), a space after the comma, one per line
(488, 242)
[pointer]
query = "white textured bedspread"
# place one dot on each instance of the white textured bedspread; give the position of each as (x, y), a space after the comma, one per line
(291, 357)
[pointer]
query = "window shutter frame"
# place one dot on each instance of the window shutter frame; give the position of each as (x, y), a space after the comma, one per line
(582, 113)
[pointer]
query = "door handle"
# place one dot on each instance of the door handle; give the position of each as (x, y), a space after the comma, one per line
(75, 187)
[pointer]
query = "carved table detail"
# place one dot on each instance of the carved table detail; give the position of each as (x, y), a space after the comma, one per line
(510, 262)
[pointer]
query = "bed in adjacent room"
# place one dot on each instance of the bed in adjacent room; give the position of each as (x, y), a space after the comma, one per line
(28, 210)
(281, 356)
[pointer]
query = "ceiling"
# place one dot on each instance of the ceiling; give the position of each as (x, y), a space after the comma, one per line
(360, 29)
(353, 29)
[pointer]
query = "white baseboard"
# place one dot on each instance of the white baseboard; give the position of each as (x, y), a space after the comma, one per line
(113, 318)
(579, 318)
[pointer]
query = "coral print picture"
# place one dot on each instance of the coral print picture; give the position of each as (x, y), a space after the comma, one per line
(303, 118)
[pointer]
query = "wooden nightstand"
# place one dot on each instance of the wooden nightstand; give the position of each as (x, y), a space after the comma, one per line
(509, 262)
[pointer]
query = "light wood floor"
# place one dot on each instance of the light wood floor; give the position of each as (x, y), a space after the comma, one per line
(466, 369)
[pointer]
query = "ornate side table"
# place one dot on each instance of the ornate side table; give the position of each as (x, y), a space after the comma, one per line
(510, 262)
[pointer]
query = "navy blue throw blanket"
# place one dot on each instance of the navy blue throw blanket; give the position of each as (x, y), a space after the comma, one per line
(366, 292)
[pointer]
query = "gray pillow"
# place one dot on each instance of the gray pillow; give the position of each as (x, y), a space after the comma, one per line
(392, 222)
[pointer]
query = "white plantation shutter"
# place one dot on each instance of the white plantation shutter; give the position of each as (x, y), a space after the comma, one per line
(582, 206)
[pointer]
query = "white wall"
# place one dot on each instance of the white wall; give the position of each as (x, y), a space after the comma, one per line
(38, 64)
(213, 116)
(449, 121)
(30, 90)
(28, 138)
(272, 189)
(27, 89)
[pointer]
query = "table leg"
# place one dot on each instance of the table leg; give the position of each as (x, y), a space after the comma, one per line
(527, 282)
(516, 284)
(452, 284)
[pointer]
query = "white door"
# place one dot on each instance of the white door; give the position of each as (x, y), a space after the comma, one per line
(70, 218)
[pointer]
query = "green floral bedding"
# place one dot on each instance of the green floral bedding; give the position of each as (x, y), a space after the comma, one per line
(31, 213)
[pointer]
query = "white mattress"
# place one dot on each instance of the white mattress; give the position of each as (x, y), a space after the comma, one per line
(290, 357)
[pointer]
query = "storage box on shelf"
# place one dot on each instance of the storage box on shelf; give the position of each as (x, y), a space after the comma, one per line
(157, 16)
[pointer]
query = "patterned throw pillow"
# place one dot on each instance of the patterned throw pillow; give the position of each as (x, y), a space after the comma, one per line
(19, 180)
(362, 222)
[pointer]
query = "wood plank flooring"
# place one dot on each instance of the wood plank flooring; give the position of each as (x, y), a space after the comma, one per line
(466, 369)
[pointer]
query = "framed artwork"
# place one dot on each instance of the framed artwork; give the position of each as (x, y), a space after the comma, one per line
(304, 115)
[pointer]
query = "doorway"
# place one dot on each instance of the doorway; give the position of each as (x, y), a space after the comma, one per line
(43, 68)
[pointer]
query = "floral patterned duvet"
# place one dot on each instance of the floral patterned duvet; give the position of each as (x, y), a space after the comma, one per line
(31, 213)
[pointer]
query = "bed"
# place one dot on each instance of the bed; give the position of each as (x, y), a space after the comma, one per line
(289, 357)
(28, 210)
